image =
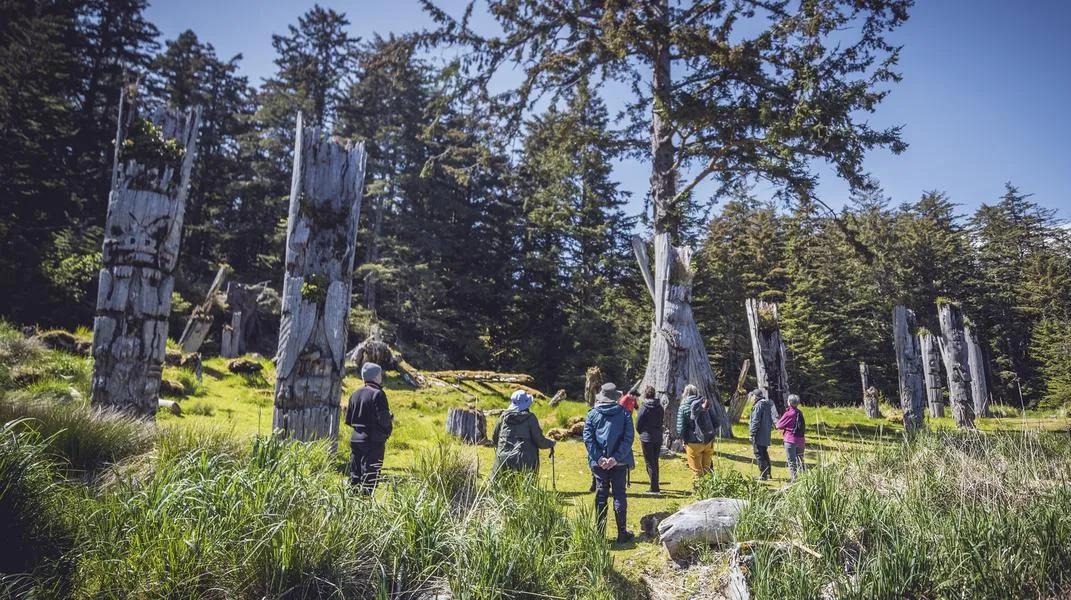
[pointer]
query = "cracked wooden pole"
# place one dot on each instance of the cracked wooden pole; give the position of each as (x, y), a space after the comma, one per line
(870, 393)
(321, 238)
(954, 353)
(768, 349)
(909, 368)
(976, 362)
(931, 372)
(242, 298)
(200, 320)
(232, 333)
(739, 397)
(143, 229)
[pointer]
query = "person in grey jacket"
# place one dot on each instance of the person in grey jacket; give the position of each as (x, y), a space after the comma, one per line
(759, 429)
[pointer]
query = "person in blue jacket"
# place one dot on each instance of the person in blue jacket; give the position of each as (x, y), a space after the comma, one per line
(608, 435)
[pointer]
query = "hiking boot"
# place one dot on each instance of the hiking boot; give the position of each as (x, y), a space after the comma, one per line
(653, 493)
(625, 536)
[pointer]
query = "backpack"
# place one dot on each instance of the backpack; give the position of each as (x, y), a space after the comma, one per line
(703, 424)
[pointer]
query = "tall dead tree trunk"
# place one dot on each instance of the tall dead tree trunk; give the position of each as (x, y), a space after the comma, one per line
(232, 333)
(909, 368)
(739, 397)
(768, 349)
(870, 393)
(954, 352)
(143, 230)
(325, 205)
(242, 299)
(977, 363)
(592, 382)
(200, 320)
(931, 371)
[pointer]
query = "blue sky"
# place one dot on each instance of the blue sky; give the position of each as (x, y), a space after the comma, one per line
(986, 96)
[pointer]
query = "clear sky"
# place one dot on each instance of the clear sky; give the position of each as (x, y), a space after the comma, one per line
(986, 96)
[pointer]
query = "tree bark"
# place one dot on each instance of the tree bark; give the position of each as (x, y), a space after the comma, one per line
(200, 320)
(931, 371)
(909, 368)
(977, 363)
(954, 352)
(739, 397)
(768, 349)
(325, 205)
(870, 393)
(143, 230)
(469, 424)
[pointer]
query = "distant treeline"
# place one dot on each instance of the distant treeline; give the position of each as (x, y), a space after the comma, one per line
(478, 251)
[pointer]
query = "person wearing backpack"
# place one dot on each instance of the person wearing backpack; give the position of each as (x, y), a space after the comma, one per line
(793, 426)
(608, 436)
(695, 426)
(760, 425)
(649, 420)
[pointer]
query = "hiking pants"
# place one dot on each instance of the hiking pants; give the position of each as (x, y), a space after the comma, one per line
(609, 482)
(366, 459)
(762, 456)
(651, 452)
(794, 458)
(700, 457)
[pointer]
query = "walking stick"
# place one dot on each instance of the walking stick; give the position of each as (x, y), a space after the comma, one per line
(553, 472)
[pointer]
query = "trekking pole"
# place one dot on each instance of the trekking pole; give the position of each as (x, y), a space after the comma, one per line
(553, 472)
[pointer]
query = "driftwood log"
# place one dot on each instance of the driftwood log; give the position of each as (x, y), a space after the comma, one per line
(469, 424)
(870, 393)
(200, 320)
(954, 353)
(739, 397)
(325, 204)
(909, 368)
(677, 355)
(143, 230)
(931, 371)
(768, 350)
(977, 363)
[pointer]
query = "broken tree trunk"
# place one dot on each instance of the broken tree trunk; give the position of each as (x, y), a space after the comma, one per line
(242, 299)
(200, 320)
(373, 349)
(677, 356)
(228, 346)
(769, 351)
(909, 368)
(469, 424)
(870, 393)
(954, 353)
(325, 204)
(931, 371)
(143, 230)
(976, 362)
(592, 383)
(739, 398)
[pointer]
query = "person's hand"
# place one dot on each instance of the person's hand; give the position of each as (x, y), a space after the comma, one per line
(611, 462)
(551, 455)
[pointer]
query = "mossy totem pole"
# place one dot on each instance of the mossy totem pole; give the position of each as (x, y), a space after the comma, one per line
(909, 367)
(768, 350)
(976, 361)
(321, 239)
(955, 353)
(154, 154)
(931, 371)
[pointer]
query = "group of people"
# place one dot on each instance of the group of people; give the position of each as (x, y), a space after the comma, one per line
(608, 434)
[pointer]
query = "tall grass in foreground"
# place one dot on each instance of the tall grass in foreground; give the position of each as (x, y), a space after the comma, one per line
(948, 515)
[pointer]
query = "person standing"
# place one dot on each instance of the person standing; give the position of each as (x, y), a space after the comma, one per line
(695, 426)
(794, 427)
(608, 437)
(760, 426)
(518, 437)
(649, 427)
(369, 415)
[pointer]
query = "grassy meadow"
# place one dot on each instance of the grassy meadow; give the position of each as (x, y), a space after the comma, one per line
(208, 505)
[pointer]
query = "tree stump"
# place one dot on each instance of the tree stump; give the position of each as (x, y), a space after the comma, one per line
(739, 397)
(931, 371)
(229, 340)
(870, 393)
(909, 368)
(200, 320)
(469, 424)
(373, 349)
(242, 299)
(977, 363)
(325, 204)
(143, 230)
(592, 382)
(954, 352)
(768, 350)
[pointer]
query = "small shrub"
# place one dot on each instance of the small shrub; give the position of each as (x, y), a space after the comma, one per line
(203, 409)
(727, 483)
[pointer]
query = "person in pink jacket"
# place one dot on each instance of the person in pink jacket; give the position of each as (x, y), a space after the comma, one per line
(793, 426)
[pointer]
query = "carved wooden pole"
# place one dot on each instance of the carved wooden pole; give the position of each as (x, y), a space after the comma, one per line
(739, 397)
(931, 371)
(200, 320)
(954, 353)
(769, 351)
(976, 362)
(325, 203)
(909, 367)
(870, 393)
(150, 180)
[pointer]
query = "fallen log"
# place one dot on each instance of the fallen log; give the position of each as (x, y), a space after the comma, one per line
(200, 320)
(169, 405)
(483, 377)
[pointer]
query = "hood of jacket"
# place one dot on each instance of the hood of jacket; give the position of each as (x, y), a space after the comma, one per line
(651, 402)
(609, 409)
(512, 416)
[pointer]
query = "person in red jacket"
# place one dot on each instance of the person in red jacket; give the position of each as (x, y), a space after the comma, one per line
(793, 426)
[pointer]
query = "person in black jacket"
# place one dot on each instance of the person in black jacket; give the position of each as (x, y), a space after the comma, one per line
(369, 416)
(649, 425)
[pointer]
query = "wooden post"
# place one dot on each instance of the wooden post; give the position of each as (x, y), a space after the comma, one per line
(769, 351)
(200, 320)
(242, 299)
(469, 424)
(870, 393)
(143, 230)
(976, 362)
(739, 397)
(229, 341)
(909, 368)
(931, 371)
(954, 353)
(325, 204)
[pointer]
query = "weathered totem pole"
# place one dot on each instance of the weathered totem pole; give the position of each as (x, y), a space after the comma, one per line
(768, 349)
(954, 353)
(143, 229)
(910, 369)
(870, 393)
(200, 320)
(931, 371)
(325, 203)
(976, 361)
